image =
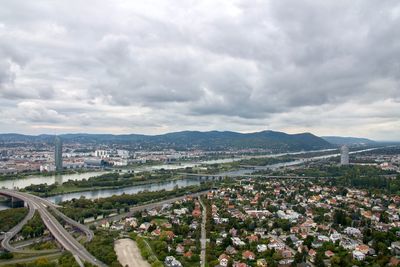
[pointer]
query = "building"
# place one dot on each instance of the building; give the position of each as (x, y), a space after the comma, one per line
(358, 255)
(170, 261)
(123, 153)
(94, 163)
(58, 154)
(344, 155)
(102, 154)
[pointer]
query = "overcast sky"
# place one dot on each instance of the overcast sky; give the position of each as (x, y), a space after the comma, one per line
(326, 67)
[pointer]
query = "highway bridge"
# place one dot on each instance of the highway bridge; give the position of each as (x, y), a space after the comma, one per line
(65, 239)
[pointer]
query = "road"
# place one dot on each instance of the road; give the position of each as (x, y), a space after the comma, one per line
(65, 239)
(31, 259)
(203, 239)
(83, 228)
(5, 243)
(252, 176)
(28, 242)
(148, 206)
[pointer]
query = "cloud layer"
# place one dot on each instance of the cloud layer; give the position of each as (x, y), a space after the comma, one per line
(328, 67)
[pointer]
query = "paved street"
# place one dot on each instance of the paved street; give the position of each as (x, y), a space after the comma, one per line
(67, 241)
(149, 206)
(203, 240)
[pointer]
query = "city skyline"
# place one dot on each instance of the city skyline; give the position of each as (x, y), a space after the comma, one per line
(213, 65)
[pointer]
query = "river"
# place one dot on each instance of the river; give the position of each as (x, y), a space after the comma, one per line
(61, 178)
(168, 185)
(41, 179)
(4, 206)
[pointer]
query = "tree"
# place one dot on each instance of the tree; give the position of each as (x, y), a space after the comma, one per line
(6, 256)
(319, 259)
(308, 241)
(340, 217)
(27, 231)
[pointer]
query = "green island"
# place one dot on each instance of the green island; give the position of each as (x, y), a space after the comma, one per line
(104, 181)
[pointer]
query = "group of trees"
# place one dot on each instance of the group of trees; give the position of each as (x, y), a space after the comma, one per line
(340, 217)
(109, 180)
(118, 180)
(102, 247)
(358, 176)
(42, 189)
(84, 208)
(264, 161)
(34, 228)
(10, 217)
(147, 252)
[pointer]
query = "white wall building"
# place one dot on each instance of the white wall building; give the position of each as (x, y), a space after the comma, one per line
(344, 155)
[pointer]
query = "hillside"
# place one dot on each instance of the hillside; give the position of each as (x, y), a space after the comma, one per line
(339, 140)
(212, 140)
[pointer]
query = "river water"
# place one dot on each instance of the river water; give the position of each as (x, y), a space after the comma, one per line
(168, 185)
(61, 178)
(39, 179)
(4, 206)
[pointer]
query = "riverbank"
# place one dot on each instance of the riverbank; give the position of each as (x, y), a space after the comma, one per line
(41, 174)
(19, 183)
(151, 187)
(92, 192)
(68, 189)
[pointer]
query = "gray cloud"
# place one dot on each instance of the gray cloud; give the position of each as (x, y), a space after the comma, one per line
(159, 66)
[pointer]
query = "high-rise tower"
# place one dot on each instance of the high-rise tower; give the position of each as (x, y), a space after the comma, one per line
(344, 155)
(58, 154)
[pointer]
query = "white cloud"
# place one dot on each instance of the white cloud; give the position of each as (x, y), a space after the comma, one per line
(326, 67)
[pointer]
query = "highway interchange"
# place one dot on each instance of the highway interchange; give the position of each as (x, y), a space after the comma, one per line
(65, 239)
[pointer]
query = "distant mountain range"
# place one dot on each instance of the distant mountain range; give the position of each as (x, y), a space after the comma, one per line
(339, 140)
(212, 140)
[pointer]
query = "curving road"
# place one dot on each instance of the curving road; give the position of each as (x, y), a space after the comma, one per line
(83, 228)
(67, 241)
(5, 243)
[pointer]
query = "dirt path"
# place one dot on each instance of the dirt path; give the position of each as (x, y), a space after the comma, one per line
(128, 253)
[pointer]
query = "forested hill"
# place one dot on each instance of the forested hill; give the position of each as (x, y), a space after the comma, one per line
(339, 140)
(212, 140)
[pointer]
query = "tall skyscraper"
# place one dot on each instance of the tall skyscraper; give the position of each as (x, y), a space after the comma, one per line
(344, 155)
(58, 154)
